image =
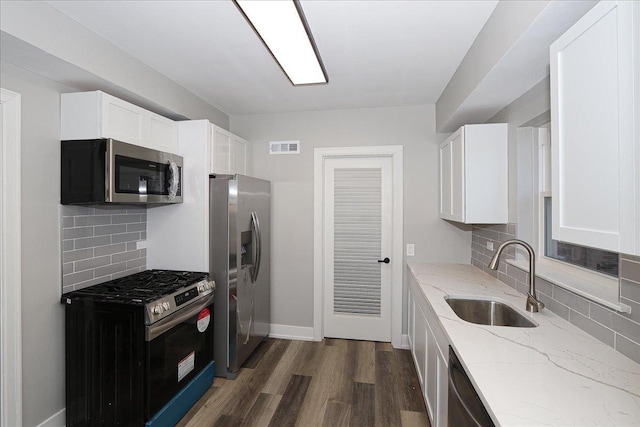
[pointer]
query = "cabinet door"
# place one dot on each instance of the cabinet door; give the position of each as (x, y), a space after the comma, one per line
(431, 375)
(122, 121)
(221, 151)
(162, 133)
(458, 176)
(239, 156)
(592, 108)
(420, 344)
(442, 390)
(410, 326)
(445, 180)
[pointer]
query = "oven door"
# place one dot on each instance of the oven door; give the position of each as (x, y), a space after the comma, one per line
(178, 349)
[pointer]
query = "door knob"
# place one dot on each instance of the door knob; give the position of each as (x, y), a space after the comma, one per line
(386, 260)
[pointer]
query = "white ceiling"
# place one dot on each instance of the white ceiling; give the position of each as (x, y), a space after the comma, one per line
(377, 53)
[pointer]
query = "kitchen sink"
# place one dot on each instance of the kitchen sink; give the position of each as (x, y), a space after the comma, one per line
(488, 312)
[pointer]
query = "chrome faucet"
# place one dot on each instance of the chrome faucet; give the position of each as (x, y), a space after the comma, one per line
(533, 304)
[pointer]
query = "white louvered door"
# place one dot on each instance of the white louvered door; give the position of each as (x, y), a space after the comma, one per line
(358, 197)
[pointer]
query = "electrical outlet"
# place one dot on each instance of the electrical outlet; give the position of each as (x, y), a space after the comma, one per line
(411, 249)
(490, 246)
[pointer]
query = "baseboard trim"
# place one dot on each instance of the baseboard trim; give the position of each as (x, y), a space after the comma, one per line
(56, 420)
(288, 332)
(404, 344)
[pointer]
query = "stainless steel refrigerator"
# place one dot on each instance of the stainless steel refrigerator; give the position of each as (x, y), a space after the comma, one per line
(239, 263)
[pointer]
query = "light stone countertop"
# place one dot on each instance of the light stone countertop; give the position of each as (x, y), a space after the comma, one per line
(551, 375)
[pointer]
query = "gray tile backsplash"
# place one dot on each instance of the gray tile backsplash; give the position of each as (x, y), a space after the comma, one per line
(618, 330)
(99, 244)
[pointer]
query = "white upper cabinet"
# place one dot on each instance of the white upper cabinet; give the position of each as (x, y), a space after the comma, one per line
(595, 113)
(239, 155)
(92, 115)
(474, 175)
(229, 152)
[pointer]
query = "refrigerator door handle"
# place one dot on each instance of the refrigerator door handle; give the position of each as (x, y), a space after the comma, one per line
(258, 247)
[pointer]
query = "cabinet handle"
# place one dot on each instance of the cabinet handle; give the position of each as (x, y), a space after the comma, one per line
(386, 260)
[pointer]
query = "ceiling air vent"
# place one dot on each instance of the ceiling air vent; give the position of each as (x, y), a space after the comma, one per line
(284, 147)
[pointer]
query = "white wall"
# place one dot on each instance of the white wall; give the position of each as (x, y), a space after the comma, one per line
(40, 38)
(292, 190)
(42, 314)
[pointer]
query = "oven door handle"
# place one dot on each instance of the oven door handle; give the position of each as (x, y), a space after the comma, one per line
(163, 325)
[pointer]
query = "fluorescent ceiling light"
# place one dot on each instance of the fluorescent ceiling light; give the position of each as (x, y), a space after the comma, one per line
(284, 31)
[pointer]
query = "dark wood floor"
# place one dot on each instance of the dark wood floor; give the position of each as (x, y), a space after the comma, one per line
(330, 383)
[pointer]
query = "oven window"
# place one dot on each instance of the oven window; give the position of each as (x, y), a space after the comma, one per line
(138, 176)
(175, 358)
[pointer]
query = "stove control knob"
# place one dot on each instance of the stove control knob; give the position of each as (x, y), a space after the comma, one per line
(166, 306)
(158, 309)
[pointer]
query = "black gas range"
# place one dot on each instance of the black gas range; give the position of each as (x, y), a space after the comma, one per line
(139, 349)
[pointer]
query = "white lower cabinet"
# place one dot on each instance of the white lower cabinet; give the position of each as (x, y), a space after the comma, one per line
(430, 349)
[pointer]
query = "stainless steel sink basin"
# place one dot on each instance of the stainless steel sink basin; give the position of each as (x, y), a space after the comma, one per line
(488, 312)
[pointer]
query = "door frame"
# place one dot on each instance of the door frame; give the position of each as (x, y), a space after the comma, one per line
(11, 262)
(396, 154)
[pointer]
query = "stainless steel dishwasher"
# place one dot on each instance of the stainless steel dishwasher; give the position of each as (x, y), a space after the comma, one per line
(465, 407)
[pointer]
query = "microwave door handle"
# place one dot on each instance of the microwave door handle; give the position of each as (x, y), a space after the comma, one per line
(108, 180)
(174, 179)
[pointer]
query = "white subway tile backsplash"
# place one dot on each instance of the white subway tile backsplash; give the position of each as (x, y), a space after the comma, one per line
(99, 244)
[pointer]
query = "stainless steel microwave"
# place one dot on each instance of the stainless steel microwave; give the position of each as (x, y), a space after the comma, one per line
(108, 171)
